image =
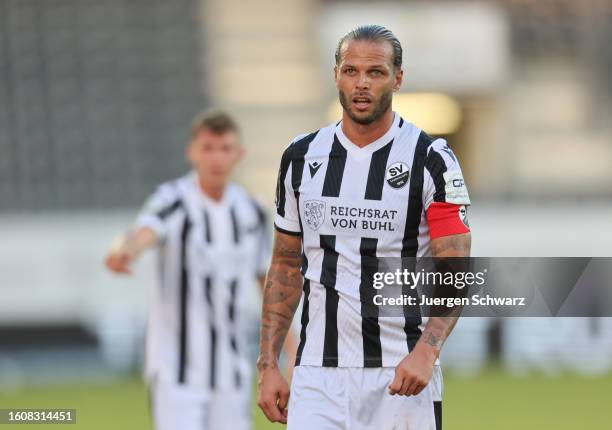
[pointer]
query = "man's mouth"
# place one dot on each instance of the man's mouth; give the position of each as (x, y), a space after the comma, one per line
(362, 102)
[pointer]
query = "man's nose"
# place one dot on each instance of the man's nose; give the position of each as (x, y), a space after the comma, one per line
(363, 82)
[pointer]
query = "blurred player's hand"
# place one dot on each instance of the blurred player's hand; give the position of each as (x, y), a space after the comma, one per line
(413, 373)
(119, 258)
(125, 249)
(273, 395)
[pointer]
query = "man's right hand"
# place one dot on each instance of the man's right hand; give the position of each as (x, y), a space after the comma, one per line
(126, 249)
(119, 259)
(273, 395)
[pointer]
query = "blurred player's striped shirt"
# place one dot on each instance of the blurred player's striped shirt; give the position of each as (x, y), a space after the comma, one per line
(209, 255)
(354, 205)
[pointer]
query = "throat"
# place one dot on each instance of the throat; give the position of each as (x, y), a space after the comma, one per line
(212, 192)
(364, 134)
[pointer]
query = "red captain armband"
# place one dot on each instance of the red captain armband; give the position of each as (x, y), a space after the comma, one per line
(446, 219)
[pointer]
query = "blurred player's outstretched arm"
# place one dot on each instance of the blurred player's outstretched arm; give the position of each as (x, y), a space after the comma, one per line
(281, 297)
(413, 373)
(127, 248)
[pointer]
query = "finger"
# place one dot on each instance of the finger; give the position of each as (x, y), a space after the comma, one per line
(270, 411)
(410, 389)
(419, 389)
(110, 262)
(117, 265)
(126, 269)
(405, 385)
(121, 270)
(123, 265)
(275, 414)
(283, 399)
(125, 260)
(396, 384)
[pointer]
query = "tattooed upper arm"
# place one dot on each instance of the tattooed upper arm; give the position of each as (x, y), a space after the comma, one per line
(457, 245)
(286, 260)
(287, 249)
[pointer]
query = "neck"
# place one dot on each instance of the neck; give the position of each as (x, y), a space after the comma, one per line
(213, 192)
(364, 134)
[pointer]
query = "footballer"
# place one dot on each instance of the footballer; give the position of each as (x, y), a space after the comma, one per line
(405, 190)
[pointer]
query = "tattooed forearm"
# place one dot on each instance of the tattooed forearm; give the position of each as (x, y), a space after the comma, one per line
(438, 329)
(431, 339)
(457, 245)
(281, 297)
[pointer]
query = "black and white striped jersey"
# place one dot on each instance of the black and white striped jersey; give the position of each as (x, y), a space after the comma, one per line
(209, 256)
(349, 204)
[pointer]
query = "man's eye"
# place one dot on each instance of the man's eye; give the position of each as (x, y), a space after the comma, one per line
(376, 72)
(349, 70)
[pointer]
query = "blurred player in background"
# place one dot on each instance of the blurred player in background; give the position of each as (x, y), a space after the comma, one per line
(368, 187)
(212, 242)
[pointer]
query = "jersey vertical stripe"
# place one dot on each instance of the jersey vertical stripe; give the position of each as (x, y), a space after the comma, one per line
(184, 292)
(207, 228)
(415, 198)
(235, 232)
(231, 312)
(281, 191)
(376, 174)
(328, 280)
(304, 321)
(436, 167)
(370, 329)
(212, 333)
(410, 242)
(335, 170)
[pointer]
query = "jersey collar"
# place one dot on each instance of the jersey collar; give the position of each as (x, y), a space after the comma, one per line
(202, 198)
(377, 144)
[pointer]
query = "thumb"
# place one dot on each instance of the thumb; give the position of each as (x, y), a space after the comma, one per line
(283, 399)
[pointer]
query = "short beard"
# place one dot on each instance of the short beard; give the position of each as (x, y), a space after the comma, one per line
(379, 110)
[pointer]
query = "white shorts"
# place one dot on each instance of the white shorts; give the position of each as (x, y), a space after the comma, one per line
(349, 398)
(182, 407)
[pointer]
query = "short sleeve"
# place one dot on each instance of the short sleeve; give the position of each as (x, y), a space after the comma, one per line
(445, 195)
(444, 181)
(286, 218)
(156, 211)
(264, 242)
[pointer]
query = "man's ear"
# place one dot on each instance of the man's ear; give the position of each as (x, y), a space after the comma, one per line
(399, 77)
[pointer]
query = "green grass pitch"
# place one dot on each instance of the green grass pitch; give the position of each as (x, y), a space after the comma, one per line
(491, 400)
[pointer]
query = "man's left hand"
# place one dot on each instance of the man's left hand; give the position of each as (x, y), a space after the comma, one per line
(413, 373)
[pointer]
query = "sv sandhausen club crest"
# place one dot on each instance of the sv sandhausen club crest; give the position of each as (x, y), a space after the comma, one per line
(314, 213)
(397, 175)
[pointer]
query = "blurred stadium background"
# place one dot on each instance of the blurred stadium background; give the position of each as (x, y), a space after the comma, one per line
(95, 102)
